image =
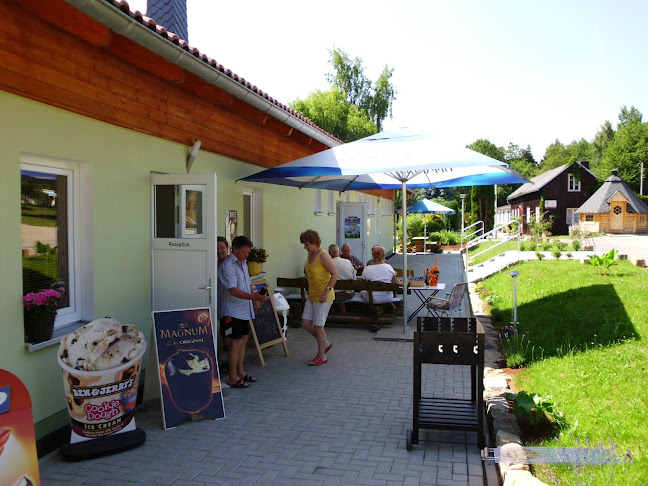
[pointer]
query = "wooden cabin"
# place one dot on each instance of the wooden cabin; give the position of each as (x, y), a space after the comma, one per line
(614, 208)
(564, 189)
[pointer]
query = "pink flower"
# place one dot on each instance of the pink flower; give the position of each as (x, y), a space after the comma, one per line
(47, 298)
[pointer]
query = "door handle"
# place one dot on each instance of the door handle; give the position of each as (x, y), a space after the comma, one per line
(208, 288)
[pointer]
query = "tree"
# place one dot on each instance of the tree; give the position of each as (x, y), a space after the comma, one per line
(601, 140)
(521, 160)
(330, 111)
(555, 156)
(348, 76)
(482, 198)
(628, 148)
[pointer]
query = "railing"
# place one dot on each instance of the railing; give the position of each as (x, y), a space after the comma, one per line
(487, 235)
(478, 231)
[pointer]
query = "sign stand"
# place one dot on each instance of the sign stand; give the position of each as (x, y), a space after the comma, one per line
(266, 329)
(187, 367)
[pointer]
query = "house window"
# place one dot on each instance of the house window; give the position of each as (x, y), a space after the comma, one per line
(537, 215)
(317, 202)
(50, 232)
(573, 184)
(572, 217)
(528, 214)
(331, 203)
(589, 217)
(387, 207)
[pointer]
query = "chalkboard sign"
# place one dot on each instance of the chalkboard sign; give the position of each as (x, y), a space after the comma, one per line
(266, 329)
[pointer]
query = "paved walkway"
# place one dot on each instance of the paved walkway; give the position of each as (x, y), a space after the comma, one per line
(343, 423)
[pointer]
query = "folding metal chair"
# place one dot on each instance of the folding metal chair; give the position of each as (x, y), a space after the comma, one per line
(441, 307)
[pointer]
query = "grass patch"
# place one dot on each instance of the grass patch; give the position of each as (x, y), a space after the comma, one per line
(589, 352)
(38, 216)
(506, 246)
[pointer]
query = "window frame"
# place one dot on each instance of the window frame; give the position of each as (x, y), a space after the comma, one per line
(573, 183)
(589, 218)
(72, 313)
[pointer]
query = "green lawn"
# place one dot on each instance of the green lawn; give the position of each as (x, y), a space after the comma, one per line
(509, 245)
(588, 347)
(38, 216)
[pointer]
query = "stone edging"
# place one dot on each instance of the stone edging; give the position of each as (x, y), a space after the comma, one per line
(501, 423)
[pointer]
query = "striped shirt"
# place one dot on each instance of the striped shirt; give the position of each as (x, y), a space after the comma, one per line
(231, 274)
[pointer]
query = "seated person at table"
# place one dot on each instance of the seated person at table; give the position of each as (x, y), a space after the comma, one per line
(379, 271)
(346, 254)
(345, 272)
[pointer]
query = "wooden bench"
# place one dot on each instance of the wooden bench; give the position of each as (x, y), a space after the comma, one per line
(356, 309)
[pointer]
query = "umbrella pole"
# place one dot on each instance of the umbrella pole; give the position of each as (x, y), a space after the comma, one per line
(404, 245)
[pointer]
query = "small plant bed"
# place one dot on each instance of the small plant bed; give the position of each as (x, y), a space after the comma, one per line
(537, 416)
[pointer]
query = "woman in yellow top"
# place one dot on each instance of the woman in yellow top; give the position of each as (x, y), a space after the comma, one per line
(322, 275)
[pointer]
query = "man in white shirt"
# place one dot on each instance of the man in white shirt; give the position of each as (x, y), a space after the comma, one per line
(345, 272)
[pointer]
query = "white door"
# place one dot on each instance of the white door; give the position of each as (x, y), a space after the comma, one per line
(183, 241)
(352, 226)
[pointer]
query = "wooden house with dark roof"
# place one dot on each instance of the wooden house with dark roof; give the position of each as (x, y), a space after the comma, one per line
(614, 208)
(564, 189)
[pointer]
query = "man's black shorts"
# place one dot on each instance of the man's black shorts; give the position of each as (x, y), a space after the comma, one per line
(234, 328)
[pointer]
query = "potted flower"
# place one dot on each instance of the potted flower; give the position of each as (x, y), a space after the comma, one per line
(433, 274)
(40, 310)
(254, 260)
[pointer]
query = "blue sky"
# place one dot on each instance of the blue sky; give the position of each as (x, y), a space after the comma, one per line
(527, 72)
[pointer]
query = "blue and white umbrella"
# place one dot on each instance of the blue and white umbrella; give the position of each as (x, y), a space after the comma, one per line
(391, 160)
(425, 206)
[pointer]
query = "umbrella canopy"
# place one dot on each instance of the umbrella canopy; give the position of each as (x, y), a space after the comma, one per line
(391, 160)
(426, 206)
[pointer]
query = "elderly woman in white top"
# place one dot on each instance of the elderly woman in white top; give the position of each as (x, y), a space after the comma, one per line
(380, 271)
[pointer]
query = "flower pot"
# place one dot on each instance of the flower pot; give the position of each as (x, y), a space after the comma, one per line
(254, 268)
(39, 328)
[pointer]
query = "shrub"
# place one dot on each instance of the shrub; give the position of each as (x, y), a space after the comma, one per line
(445, 237)
(546, 246)
(539, 255)
(602, 263)
(556, 254)
(536, 407)
(561, 245)
(576, 245)
(569, 255)
(533, 246)
(522, 247)
(515, 347)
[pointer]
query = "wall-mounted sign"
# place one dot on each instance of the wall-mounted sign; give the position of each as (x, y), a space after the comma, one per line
(186, 357)
(18, 457)
(551, 204)
(231, 226)
(352, 227)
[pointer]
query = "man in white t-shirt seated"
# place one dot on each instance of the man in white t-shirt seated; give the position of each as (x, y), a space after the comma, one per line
(345, 272)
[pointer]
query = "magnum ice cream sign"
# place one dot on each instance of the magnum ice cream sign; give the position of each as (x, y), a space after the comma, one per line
(187, 364)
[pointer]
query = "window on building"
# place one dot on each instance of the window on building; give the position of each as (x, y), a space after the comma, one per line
(50, 232)
(317, 202)
(573, 184)
(589, 217)
(371, 211)
(331, 203)
(387, 207)
(571, 217)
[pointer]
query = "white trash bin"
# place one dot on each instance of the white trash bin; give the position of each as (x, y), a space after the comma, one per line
(282, 305)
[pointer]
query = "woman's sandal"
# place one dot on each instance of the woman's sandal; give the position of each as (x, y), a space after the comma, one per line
(317, 362)
(249, 379)
(328, 347)
(239, 384)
